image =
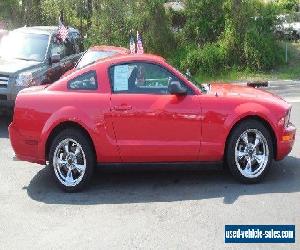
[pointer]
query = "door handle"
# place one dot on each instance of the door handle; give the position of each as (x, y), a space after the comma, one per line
(122, 108)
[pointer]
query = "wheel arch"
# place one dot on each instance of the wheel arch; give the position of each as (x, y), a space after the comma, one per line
(62, 126)
(257, 118)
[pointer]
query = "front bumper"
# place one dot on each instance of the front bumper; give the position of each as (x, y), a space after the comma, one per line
(7, 104)
(9, 93)
(286, 142)
(6, 99)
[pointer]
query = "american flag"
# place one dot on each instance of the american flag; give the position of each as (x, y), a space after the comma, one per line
(140, 48)
(132, 44)
(62, 32)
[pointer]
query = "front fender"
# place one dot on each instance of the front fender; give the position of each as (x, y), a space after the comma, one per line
(245, 110)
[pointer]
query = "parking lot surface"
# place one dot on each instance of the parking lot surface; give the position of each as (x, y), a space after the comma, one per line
(181, 208)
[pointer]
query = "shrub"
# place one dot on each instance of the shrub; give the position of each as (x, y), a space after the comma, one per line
(260, 51)
(209, 60)
(247, 41)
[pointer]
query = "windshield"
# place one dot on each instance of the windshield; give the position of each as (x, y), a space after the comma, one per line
(202, 86)
(24, 46)
(93, 56)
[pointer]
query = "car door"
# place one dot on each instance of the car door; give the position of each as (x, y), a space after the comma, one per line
(68, 58)
(56, 68)
(88, 93)
(71, 55)
(150, 124)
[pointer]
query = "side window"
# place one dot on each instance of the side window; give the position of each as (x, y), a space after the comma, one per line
(76, 42)
(58, 48)
(70, 48)
(141, 78)
(86, 81)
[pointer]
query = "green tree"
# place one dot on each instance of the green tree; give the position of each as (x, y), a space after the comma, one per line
(10, 12)
(149, 17)
(114, 19)
(31, 12)
(110, 23)
(204, 21)
(288, 5)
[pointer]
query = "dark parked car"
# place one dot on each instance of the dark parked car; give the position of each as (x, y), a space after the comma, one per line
(34, 56)
(288, 26)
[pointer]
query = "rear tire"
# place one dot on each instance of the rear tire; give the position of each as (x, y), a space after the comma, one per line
(249, 151)
(72, 160)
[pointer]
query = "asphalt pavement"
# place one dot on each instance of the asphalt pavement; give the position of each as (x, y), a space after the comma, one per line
(182, 208)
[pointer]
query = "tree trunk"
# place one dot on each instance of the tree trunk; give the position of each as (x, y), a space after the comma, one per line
(89, 13)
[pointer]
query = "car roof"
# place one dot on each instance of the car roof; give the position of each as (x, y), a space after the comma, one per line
(45, 30)
(121, 58)
(119, 50)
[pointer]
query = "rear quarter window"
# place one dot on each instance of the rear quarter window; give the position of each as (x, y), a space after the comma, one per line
(86, 81)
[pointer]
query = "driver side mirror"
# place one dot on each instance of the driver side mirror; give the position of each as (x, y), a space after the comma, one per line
(55, 58)
(175, 88)
(188, 73)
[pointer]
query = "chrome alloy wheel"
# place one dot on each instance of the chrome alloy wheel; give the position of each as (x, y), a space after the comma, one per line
(69, 162)
(251, 153)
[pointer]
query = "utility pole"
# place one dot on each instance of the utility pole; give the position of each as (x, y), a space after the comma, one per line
(286, 52)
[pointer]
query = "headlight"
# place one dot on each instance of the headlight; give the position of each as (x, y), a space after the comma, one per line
(287, 118)
(24, 79)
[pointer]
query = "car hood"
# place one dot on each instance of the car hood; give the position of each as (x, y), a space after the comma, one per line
(12, 66)
(238, 91)
(34, 89)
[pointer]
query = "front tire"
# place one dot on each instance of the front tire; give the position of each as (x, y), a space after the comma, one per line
(72, 160)
(249, 151)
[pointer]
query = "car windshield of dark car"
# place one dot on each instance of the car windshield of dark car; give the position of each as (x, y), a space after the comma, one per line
(24, 46)
(92, 56)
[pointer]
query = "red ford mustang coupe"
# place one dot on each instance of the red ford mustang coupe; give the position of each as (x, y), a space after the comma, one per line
(138, 109)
